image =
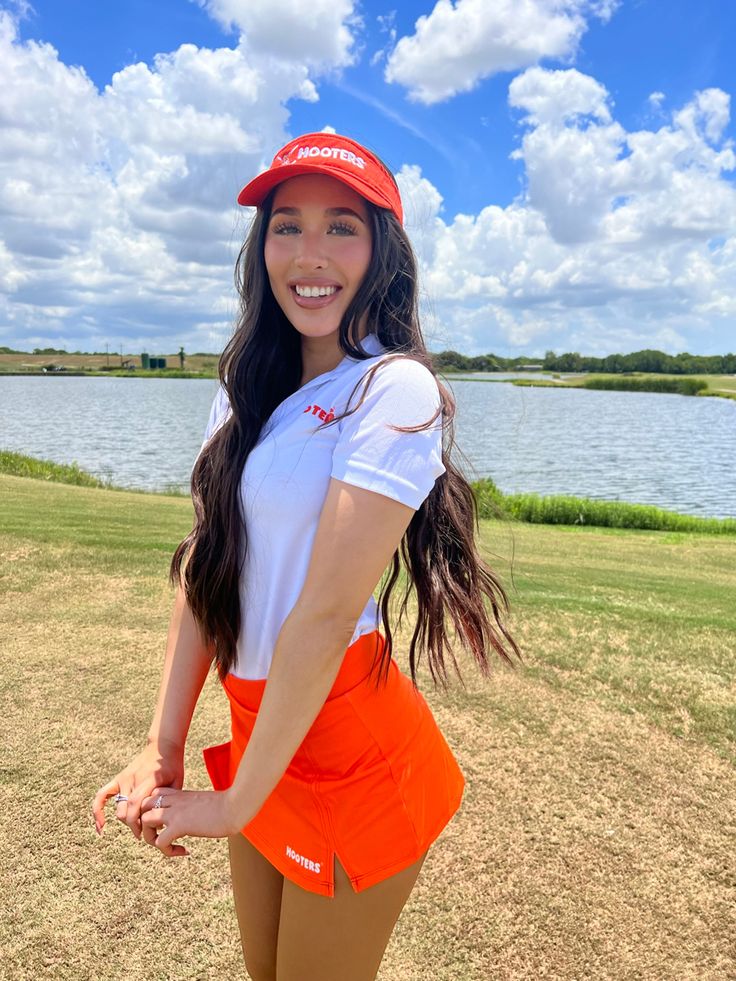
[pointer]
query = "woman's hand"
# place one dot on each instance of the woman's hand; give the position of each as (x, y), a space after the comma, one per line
(199, 813)
(159, 764)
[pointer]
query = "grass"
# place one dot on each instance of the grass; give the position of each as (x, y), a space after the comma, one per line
(553, 509)
(722, 386)
(195, 365)
(20, 465)
(647, 383)
(596, 834)
(559, 509)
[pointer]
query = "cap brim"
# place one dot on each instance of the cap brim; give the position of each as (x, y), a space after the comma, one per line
(254, 192)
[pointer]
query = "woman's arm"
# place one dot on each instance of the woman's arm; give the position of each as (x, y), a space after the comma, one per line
(161, 762)
(186, 665)
(357, 535)
(306, 660)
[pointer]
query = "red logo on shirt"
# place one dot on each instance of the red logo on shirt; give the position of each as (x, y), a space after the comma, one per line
(317, 411)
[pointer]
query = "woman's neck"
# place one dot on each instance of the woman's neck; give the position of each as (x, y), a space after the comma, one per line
(321, 354)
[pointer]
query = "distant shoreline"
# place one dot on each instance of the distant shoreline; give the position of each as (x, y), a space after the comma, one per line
(652, 382)
(158, 373)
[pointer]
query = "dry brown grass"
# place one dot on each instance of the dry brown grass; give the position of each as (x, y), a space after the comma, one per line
(96, 362)
(596, 837)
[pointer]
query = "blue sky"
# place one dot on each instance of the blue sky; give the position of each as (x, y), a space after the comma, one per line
(569, 179)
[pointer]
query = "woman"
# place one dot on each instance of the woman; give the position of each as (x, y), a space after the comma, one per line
(337, 779)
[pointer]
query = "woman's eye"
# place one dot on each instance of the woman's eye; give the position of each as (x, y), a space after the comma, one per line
(336, 228)
(341, 228)
(284, 228)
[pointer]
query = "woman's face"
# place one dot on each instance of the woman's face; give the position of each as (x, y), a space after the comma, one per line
(317, 250)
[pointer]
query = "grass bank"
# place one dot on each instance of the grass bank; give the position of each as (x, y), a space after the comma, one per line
(492, 503)
(596, 831)
(20, 465)
(649, 383)
(559, 509)
(721, 386)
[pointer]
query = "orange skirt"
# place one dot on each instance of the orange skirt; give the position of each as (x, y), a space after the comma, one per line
(373, 782)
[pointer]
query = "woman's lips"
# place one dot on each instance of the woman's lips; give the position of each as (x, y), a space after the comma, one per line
(313, 302)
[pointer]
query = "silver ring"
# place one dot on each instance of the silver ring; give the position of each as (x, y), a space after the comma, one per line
(119, 798)
(159, 801)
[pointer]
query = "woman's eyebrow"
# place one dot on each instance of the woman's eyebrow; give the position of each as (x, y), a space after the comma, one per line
(333, 212)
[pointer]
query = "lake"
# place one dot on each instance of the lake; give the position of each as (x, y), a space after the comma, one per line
(674, 451)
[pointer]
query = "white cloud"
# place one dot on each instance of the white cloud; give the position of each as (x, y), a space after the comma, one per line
(708, 114)
(457, 45)
(118, 218)
(321, 32)
(117, 207)
(623, 239)
(656, 99)
(590, 179)
(555, 97)
(422, 203)
(386, 25)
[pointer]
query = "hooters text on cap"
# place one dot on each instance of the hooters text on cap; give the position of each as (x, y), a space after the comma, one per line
(336, 156)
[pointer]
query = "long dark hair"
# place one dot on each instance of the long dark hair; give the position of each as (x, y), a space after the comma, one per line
(259, 368)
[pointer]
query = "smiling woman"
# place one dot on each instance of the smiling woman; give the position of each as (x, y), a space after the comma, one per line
(317, 255)
(337, 779)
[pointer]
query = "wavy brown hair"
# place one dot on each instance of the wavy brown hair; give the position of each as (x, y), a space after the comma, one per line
(259, 368)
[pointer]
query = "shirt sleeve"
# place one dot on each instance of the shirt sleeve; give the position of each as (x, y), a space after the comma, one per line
(369, 454)
(218, 414)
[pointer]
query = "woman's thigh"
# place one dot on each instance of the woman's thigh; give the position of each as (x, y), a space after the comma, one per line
(257, 888)
(342, 938)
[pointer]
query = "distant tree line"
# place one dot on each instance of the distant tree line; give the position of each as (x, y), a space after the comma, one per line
(653, 361)
(650, 361)
(480, 362)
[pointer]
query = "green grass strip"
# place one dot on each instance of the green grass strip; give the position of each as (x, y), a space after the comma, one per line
(652, 383)
(565, 510)
(492, 503)
(19, 465)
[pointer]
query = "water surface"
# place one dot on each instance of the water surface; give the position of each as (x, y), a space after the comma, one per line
(674, 451)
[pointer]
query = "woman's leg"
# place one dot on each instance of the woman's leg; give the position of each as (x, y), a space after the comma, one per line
(257, 889)
(342, 938)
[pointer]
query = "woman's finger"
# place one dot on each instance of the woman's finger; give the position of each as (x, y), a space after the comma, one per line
(121, 808)
(165, 842)
(156, 810)
(135, 806)
(157, 797)
(173, 851)
(100, 799)
(154, 807)
(149, 834)
(154, 817)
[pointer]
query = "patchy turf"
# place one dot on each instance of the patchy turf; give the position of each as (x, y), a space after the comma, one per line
(595, 839)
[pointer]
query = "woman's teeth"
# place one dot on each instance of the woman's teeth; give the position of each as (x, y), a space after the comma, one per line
(315, 290)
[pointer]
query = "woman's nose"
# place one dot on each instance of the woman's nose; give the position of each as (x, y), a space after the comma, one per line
(310, 251)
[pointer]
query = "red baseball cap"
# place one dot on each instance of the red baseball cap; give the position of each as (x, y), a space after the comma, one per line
(334, 155)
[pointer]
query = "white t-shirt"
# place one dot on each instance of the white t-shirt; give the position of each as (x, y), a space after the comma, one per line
(287, 474)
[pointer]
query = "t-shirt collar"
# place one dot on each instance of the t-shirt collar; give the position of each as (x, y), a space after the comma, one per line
(370, 344)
